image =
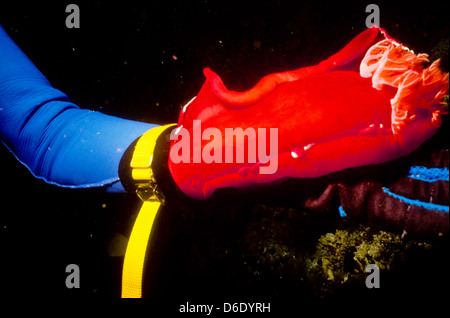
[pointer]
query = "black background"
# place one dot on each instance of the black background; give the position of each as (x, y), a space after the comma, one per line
(143, 60)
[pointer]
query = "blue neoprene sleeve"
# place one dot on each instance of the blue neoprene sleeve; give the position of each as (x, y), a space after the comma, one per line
(55, 139)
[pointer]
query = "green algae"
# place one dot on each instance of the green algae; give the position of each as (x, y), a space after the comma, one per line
(289, 251)
(345, 253)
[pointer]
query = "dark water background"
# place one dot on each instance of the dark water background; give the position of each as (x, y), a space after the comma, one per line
(143, 60)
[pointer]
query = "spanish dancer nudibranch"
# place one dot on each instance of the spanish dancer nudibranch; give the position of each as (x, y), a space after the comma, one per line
(372, 102)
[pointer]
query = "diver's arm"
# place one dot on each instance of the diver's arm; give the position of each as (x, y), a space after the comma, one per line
(55, 139)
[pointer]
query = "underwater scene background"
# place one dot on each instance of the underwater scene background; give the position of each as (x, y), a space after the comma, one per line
(143, 60)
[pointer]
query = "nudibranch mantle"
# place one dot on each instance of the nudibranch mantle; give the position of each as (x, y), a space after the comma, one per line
(371, 102)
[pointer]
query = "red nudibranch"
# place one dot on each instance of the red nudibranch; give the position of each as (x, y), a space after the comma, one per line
(371, 102)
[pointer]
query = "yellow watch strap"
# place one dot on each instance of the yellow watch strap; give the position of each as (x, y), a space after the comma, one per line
(133, 264)
(142, 174)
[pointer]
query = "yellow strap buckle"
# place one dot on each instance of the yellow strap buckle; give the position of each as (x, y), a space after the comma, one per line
(133, 265)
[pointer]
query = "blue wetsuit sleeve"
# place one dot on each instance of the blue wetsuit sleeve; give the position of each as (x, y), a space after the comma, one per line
(55, 139)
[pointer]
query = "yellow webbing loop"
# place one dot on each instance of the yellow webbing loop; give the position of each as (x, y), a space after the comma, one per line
(133, 264)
